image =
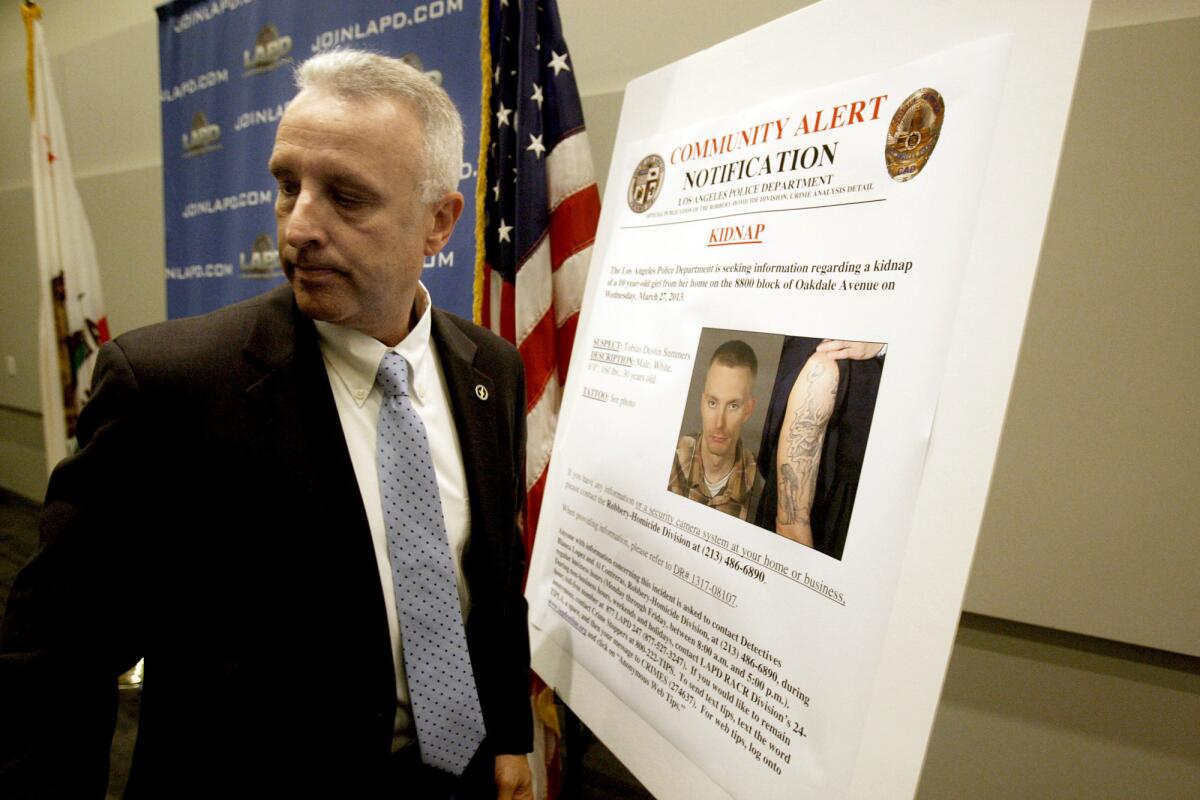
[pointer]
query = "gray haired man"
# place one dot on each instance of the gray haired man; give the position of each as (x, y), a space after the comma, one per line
(232, 515)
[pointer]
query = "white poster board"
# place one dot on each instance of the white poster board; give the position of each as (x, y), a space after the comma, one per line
(841, 174)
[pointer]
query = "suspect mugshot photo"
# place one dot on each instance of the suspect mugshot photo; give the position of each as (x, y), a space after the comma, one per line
(714, 462)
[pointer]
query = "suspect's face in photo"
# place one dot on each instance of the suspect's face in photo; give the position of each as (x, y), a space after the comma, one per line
(713, 464)
(725, 406)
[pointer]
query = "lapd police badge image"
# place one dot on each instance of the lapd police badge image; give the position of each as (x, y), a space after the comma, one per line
(913, 133)
(263, 261)
(646, 184)
(204, 136)
(270, 51)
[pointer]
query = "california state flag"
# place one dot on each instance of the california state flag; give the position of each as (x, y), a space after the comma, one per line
(71, 320)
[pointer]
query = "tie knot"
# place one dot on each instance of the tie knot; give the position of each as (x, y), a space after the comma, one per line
(392, 376)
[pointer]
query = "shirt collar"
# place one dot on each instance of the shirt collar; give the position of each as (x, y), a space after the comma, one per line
(734, 483)
(355, 356)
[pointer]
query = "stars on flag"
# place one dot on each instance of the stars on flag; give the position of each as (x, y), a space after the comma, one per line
(535, 144)
(558, 62)
(504, 231)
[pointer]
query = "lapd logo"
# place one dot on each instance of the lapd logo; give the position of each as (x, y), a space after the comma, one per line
(913, 133)
(204, 137)
(270, 51)
(646, 183)
(414, 61)
(263, 261)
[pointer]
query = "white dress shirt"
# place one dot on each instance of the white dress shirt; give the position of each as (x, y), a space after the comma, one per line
(351, 361)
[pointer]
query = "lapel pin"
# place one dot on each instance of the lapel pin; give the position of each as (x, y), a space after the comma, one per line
(481, 391)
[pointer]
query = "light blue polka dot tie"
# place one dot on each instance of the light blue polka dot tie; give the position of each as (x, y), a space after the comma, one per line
(441, 685)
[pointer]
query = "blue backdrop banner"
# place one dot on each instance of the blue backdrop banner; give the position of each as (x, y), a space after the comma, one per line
(226, 74)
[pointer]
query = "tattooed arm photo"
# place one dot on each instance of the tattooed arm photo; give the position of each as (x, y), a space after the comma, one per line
(798, 458)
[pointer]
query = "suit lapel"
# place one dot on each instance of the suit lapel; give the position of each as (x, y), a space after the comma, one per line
(295, 405)
(473, 401)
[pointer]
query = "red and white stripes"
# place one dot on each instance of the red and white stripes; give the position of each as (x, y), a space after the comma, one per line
(540, 312)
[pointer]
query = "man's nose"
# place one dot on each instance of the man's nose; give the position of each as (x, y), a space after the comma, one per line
(304, 227)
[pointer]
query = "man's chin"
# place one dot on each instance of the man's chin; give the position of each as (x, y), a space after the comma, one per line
(317, 302)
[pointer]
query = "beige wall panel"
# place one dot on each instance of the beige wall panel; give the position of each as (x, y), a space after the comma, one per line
(112, 114)
(1116, 13)
(607, 55)
(1092, 519)
(602, 112)
(14, 127)
(22, 455)
(18, 301)
(614, 41)
(73, 23)
(125, 209)
(1034, 714)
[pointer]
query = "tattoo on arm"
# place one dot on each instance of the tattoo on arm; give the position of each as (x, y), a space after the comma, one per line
(789, 493)
(810, 406)
(808, 423)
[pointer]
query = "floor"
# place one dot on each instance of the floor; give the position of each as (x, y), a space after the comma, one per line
(593, 773)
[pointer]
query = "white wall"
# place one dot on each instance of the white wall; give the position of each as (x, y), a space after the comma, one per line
(1091, 515)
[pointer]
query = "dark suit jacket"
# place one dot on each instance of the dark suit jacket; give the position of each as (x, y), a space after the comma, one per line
(211, 523)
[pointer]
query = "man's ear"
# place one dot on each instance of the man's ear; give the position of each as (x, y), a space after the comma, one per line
(443, 214)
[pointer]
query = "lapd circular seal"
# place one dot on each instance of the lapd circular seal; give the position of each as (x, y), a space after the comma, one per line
(646, 183)
(913, 133)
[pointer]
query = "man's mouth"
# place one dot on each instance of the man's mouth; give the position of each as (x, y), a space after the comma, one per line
(310, 270)
(316, 268)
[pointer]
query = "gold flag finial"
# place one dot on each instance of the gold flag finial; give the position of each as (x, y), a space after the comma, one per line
(30, 12)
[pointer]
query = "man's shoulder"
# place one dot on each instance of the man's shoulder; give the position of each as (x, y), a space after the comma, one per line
(680, 469)
(747, 458)
(477, 333)
(225, 327)
(685, 447)
(449, 326)
(215, 340)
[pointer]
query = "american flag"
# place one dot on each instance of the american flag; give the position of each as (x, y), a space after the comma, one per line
(541, 206)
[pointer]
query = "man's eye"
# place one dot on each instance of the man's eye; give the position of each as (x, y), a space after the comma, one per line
(346, 200)
(288, 188)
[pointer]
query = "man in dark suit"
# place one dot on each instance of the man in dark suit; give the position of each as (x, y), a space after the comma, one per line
(222, 517)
